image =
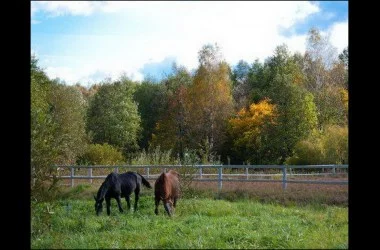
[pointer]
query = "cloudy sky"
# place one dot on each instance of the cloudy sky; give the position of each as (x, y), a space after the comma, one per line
(86, 42)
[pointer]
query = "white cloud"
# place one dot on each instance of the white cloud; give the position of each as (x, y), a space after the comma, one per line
(243, 30)
(59, 8)
(94, 72)
(339, 35)
(80, 8)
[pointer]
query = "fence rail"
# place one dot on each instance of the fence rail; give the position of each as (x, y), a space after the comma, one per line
(221, 177)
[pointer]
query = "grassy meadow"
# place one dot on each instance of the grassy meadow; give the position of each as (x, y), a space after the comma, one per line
(199, 222)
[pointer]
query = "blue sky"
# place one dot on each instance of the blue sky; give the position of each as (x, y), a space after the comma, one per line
(85, 42)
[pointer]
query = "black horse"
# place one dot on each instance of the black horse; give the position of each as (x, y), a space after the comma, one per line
(117, 186)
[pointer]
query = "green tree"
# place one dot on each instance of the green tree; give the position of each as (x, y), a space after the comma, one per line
(113, 116)
(256, 81)
(241, 87)
(43, 152)
(68, 109)
(57, 127)
(297, 114)
(343, 57)
(151, 98)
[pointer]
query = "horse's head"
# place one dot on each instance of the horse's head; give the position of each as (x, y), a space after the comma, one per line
(98, 205)
(175, 173)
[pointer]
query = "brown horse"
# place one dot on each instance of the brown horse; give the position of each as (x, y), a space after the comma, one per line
(166, 188)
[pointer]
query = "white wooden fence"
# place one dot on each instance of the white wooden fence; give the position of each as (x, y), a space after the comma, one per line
(220, 176)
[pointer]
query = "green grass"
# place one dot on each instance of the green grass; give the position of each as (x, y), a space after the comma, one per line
(197, 223)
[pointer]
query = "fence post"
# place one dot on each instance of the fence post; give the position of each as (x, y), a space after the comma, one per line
(334, 171)
(246, 172)
(200, 172)
(220, 175)
(71, 176)
(284, 177)
(90, 174)
(117, 170)
(147, 172)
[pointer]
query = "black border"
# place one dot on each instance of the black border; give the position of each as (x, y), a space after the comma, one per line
(17, 106)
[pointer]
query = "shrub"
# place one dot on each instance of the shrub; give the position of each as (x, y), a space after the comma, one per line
(101, 154)
(152, 157)
(187, 171)
(335, 144)
(327, 147)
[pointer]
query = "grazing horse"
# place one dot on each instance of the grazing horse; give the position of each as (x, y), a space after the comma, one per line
(117, 186)
(166, 188)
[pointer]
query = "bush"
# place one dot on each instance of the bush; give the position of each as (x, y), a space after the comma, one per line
(153, 157)
(335, 143)
(190, 158)
(327, 147)
(105, 154)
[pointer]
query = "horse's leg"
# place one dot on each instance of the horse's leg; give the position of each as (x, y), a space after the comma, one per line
(108, 202)
(157, 202)
(174, 204)
(137, 192)
(167, 206)
(128, 199)
(119, 204)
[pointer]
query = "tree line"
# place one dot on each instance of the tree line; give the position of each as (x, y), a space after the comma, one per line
(290, 109)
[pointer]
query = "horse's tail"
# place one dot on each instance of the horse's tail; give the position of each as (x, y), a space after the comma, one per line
(144, 181)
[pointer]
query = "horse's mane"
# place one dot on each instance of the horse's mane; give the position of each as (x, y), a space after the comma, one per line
(104, 187)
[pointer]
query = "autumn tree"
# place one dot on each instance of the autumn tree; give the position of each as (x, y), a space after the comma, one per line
(332, 106)
(249, 131)
(320, 57)
(326, 78)
(88, 92)
(171, 131)
(209, 101)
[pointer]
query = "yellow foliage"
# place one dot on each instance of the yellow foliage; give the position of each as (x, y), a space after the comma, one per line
(249, 122)
(344, 96)
(256, 115)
